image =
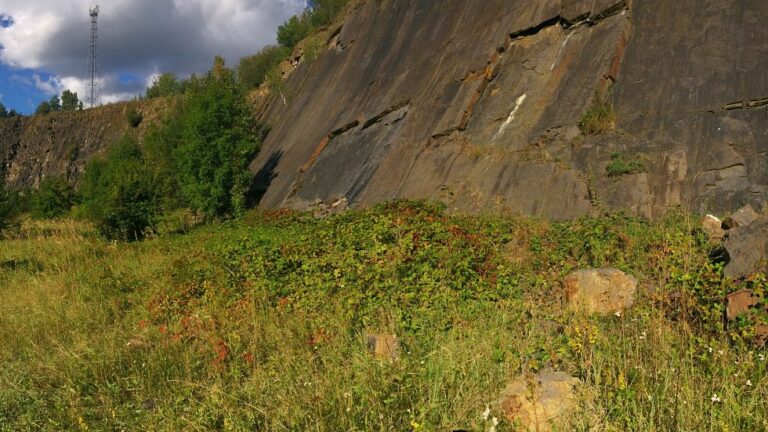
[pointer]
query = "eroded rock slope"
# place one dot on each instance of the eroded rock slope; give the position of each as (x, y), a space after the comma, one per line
(477, 103)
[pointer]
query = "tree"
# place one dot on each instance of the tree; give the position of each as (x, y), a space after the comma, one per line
(253, 70)
(55, 103)
(118, 192)
(3, 111)
(43, 108)
(293, 31)
(167, 84)
(6, 206)
(70, 101)
(54, 198)
(217, 142)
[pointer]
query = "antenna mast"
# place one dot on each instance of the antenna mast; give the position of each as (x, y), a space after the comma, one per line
(93, 64)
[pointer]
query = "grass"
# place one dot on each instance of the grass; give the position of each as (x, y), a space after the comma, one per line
(624, 165)
(599, 118)
(260, 324)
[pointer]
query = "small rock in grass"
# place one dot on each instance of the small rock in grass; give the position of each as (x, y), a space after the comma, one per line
(137, 343)
(713, 227)
(741, 218)
(537, 402)
(739, 303)
(600, 291)
(383, 346)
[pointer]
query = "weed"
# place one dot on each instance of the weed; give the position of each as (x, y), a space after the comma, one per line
(624, 165)
(599, 118)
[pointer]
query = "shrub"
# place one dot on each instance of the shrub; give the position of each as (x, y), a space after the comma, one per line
(217, 142)
(167, 84)
(293, 31)
(253, 70)
(53, 199)
(600, 118)
(623, 165)
(133, 117)
(119, 194)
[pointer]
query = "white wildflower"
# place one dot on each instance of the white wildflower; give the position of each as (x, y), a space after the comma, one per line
(749, 383)
(762, 357)
(715, 398)
(486, 413)
(618, 314)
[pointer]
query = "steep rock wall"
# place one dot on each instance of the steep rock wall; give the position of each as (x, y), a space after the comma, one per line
(477, 103)
(61, 144)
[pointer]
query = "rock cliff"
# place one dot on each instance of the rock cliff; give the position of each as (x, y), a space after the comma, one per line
(61, 144)
(478, 103)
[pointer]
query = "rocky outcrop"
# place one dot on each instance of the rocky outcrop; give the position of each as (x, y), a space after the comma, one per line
(600, 291)
(60, 144)
(747, 249)
(478, 103)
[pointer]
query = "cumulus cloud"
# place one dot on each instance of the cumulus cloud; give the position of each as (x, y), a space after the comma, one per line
(137, 38)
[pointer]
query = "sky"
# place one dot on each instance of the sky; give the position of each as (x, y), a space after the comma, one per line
(44, 43)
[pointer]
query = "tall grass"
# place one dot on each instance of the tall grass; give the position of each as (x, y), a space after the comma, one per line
(260, 325)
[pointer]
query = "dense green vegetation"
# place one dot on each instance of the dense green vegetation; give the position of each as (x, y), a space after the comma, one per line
(165, 85)
(67, 102)
(54, 198)
(254, 70)
(319, 13)
(5, 113)
(623, 165)
(197, 158)
(259, 324)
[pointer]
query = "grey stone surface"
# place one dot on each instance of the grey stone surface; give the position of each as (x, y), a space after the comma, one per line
(747, 249)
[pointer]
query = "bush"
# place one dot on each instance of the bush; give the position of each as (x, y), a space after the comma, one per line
(167, 84)
(253, 70)
(600, 118)
(54, 198)
(119, 193)
(623, 165)
(318, 14)
(217, 142)
(133, 117)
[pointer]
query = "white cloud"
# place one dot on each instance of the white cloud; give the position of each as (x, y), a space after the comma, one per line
(137, 38)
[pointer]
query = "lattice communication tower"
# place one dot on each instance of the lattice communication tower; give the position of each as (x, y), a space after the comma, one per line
(93, 60)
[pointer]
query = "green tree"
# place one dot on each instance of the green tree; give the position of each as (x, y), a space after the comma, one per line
(217, 142)
(43, 108)
(3, 111)
(252, 71)
(53, 199)
(6, 202)
(118, 193)
(167, 84)
(293, 31)
(55, 103)
(70, 101)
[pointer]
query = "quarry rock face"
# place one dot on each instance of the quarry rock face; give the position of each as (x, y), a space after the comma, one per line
(61, 144)
(478, 103)
(600, 291)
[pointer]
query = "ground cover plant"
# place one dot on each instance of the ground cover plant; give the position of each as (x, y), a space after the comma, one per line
(259, 324)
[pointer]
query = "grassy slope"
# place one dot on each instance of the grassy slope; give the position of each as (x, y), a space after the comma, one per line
(259, 325)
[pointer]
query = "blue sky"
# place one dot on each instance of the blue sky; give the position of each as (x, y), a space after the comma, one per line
(44, 43)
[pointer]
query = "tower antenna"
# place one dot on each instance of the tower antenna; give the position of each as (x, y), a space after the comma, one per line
(93, 63)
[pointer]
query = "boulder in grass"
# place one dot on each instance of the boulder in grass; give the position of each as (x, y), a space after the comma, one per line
(537, 403)
(739, 303)
(747, 249)
(381, 346)
(741, 218)
(600, 291)
(713, 227)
